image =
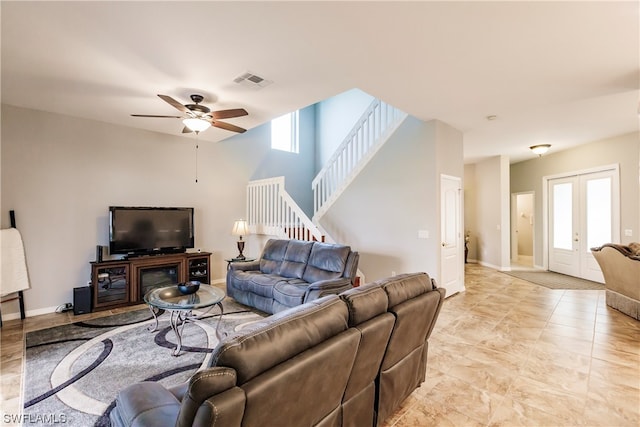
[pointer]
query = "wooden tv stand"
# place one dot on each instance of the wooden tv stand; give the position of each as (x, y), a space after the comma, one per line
(117, 283)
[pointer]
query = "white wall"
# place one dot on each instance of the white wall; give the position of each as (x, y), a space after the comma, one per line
(492, 212)
(396, 195)
(470, 210)
(296, 168)
(335, 117)
(623, 150)
(60, 174)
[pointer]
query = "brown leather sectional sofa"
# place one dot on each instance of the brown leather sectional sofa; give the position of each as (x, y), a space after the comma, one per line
(341, 360)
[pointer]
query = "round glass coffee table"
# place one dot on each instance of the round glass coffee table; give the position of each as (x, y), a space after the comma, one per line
(180, 307)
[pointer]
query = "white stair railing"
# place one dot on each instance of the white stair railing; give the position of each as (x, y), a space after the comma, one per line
(272, 211)
(369, 133)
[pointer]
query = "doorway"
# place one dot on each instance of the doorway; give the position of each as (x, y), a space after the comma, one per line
(583, 212)
(522, 230)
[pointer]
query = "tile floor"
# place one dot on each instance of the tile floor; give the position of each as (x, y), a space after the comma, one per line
(504, 352)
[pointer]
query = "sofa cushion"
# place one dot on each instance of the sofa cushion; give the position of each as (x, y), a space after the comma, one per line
(256, 282)
(272, 256)
(282, 337)
(295, 259)
(326, 261)
(405, 286)
(365, 302)
(290, 292)
(262, 284)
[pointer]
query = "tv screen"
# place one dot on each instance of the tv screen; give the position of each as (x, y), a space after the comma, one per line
(144, 230)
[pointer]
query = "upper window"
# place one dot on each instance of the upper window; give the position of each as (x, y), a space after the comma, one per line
(284, 133)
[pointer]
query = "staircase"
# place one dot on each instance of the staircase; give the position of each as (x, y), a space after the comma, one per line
(367, 136)
(272, 211)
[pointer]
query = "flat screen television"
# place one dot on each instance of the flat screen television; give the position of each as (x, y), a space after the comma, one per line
(150, 230)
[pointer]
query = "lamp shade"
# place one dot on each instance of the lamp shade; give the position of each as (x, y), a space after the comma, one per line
(540, 149)
(240, 228)
(196, 125)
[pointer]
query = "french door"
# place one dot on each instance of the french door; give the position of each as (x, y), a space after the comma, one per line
(583, 213)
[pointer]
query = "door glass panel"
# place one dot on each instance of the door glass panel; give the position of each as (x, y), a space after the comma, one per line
(598, 212)
(562, 216)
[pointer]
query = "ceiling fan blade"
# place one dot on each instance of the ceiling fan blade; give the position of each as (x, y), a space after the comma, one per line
(227, 126)
(186, 130)
(148, 115)
(228, 114)
(174, 103)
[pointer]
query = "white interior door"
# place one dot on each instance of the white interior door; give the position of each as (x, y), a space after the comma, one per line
(583, 213)
(451, 255)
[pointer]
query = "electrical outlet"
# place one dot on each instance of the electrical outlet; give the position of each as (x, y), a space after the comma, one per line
(68, 306)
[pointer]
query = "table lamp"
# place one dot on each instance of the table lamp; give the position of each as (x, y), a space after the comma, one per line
(240, 228)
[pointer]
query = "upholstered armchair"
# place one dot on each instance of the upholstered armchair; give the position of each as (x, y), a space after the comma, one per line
(621, 269)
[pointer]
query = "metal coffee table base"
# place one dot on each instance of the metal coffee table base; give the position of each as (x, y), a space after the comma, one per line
(177, 320)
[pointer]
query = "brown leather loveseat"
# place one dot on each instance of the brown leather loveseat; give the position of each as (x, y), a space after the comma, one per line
(620, 266)
(341, 360)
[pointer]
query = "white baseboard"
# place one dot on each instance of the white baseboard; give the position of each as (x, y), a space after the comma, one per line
(28, 313)
(487, 264)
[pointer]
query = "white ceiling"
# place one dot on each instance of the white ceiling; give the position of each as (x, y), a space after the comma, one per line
(563, 73)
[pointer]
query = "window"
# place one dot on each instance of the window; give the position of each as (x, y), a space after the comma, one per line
(284, 133)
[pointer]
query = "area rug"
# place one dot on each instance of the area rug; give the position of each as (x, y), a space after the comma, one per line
(74, 372)
(553, 280)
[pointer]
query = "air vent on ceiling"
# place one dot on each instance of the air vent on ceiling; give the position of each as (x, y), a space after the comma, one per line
(251, 80)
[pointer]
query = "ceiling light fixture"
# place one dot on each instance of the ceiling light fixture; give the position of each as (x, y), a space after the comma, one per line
(540, 149)
(196, 124)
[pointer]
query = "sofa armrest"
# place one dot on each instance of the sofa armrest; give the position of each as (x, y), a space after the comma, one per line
(351, 269)
(145, 404)
(327, 287)
(202, 386)
(627, 251)
(245, 266)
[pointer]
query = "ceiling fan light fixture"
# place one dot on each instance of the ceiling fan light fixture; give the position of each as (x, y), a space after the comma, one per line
(540, 149)
(196, 124)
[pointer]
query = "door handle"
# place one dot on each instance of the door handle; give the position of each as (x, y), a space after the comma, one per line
(444, 244)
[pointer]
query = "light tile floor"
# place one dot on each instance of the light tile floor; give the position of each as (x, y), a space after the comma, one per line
(510, 353)
(504, 352)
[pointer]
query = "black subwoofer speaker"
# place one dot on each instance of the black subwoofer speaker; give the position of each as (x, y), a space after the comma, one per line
(82, 300)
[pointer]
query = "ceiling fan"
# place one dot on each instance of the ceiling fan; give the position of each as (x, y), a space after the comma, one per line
(198, 117)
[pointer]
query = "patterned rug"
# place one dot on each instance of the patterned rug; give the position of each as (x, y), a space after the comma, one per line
(73, 372)
(553, 280)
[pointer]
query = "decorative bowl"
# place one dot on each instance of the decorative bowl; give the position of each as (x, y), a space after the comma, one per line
(188, 288)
